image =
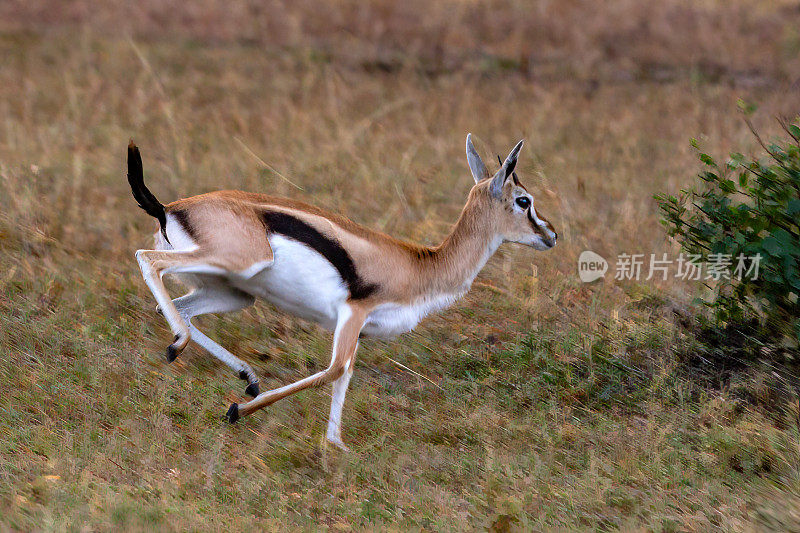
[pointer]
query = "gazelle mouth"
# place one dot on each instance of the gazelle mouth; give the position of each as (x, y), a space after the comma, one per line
(546, 240)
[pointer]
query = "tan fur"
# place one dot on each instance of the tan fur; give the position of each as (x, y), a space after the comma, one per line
(227, 227)
(231, 234)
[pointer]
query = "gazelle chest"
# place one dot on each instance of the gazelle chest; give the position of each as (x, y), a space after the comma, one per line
(391, 319)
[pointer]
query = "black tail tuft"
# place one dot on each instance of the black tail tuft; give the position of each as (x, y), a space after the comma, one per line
(141, 193)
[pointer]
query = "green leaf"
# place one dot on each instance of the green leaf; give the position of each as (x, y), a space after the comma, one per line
(771, 246)
(752, 207)
(745, 107)
(708, 176)
(784, 238)
(708, 160)
(727, 186)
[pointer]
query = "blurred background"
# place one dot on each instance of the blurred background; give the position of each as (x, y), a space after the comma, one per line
(537, 402)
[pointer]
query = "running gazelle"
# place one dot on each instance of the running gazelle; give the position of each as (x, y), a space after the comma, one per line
(232, 247)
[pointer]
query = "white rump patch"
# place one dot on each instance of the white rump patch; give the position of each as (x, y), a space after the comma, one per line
(178, 237)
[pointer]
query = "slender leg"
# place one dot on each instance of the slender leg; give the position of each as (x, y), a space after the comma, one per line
(212, 298)
(218, 299)
(155, 263)
(152, 276)
(345, 339)
(334, 433)
(242, 369)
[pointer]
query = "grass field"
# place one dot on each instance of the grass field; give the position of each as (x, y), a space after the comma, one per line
(535, 403)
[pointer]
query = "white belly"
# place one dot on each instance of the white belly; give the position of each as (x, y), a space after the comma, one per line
(391, 319)
(300, 281)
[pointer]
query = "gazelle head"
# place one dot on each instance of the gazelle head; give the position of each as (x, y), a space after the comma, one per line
(510, 204)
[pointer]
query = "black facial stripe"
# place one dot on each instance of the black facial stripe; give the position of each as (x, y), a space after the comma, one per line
(331, 250)
(533, 223)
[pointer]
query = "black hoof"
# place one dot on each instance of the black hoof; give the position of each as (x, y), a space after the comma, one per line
(233, 413)
(172, 352)
(252, 389)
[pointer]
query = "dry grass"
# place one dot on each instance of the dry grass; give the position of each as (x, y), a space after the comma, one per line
(559, 406)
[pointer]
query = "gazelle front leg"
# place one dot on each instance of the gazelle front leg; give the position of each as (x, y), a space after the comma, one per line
(345, 341)
(339, 390)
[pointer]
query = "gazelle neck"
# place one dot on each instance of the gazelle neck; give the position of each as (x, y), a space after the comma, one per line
(453, 265)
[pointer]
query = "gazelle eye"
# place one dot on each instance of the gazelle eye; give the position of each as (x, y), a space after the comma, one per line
(524, 202)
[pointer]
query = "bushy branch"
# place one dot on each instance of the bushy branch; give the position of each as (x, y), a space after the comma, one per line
(748, 208)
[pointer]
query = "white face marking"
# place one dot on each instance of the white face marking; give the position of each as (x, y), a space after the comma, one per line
(534, 215)
(533, 239)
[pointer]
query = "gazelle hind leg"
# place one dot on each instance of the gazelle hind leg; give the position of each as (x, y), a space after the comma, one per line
(242, 369)
(345, 342)
(218, 298)
(154, 264)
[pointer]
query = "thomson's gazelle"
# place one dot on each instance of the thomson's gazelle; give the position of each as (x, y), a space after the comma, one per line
(233, 247)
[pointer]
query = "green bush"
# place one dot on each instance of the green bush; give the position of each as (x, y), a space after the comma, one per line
(745, 209)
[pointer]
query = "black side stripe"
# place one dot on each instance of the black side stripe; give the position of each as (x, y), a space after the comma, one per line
(296, 229)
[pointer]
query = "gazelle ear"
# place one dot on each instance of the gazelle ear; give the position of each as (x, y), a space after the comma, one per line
(513, 174)
(499, 179)
(475, 163)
